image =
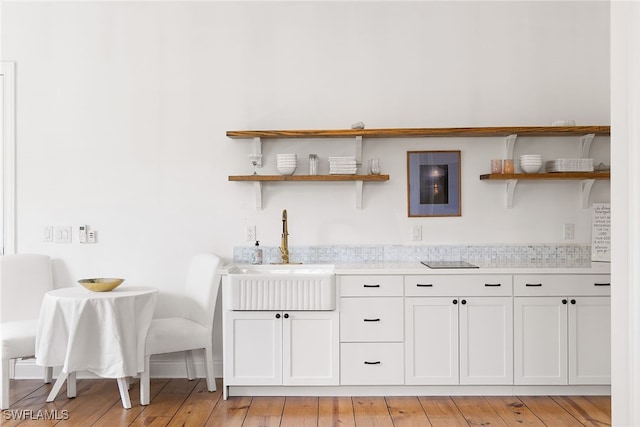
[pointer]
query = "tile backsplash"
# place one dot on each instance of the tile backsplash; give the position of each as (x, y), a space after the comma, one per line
(495, 255)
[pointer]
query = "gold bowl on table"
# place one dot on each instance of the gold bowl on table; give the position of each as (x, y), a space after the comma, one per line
(101, 284)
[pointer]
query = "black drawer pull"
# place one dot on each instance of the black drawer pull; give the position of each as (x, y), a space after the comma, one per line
(493, 284)
(371, 286)
(372, 363)
(424, 285)
(602, 284)
(534, 284)
(371, 320)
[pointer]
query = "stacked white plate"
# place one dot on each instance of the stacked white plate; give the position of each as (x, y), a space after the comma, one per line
(342, 165)
(287, 163)
(530, 163)
(569, 165)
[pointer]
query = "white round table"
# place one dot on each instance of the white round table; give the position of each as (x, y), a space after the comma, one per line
(100, 332)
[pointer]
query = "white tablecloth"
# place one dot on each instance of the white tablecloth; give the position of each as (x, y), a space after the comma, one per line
(101, 332)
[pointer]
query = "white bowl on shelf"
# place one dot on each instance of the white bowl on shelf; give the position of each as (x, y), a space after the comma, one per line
(286, 170)
(530, 167)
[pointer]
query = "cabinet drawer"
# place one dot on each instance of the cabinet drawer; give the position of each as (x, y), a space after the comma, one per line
(562, 284)
(458, 285)
(370, 286)
(371, 363)
(371, 319)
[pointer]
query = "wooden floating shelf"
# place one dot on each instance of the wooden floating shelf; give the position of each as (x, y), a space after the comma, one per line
(424, 132)
(547, 176)
(309, 178)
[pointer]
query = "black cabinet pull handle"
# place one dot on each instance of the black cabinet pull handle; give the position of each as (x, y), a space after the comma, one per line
(564, 301)
(424, 285)
(371, 320)
(493, 284)
(371, 286)
(455, 301)
(286, 315)
(573, 301)
(464, 301)
(278, 316)
(372, 363)
(534, 284)
(602, 284)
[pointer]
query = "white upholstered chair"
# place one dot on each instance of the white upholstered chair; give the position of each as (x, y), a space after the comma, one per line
(24, 279)
(192, 331)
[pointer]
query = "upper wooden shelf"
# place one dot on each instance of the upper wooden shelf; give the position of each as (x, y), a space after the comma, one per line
(309, 178)
(424, 132)
(548, 176)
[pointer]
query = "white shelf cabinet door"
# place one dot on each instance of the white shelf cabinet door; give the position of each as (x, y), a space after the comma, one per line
(590, 340)
(431, 341)
(311, 348)
(486, 340)
(540, 340)
(253, 348)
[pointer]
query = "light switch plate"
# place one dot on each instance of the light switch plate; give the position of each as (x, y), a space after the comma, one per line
(62, 234)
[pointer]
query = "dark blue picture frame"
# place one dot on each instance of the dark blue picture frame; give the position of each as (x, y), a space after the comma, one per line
(433, 183)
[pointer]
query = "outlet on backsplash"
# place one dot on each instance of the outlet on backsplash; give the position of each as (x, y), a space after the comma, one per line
(568, 231)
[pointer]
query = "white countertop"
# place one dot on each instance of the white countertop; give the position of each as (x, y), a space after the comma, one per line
(417, 268)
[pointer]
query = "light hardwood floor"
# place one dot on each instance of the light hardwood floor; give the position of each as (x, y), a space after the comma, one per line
(179, 402)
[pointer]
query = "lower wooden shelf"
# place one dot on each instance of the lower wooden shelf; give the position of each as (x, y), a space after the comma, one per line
(259, 179)
(549, 175)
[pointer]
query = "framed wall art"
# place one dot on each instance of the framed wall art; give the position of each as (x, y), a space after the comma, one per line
(433, 183)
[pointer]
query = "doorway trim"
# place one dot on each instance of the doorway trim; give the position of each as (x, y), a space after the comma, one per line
(8, 156)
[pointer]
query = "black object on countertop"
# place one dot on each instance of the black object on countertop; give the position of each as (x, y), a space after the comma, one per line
(448, 264)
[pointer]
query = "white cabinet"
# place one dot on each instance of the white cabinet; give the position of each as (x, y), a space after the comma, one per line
(564, 338)
(371, 330)
(281, 348)
(458, 340)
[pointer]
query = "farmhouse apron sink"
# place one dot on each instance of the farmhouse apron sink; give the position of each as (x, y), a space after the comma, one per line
(282, 287)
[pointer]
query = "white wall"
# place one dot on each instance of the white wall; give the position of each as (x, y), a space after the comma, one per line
(123, 108)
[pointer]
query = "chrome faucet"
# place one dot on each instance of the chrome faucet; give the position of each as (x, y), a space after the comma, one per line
(284, 241)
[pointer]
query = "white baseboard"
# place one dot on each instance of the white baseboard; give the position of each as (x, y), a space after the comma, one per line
(164, 366)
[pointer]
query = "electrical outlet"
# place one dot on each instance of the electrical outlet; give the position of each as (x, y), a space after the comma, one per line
(568, 231)
(250, 233)
(416, 233)
(47, 233)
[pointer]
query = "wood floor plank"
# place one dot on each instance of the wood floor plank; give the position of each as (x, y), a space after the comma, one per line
(96, 397)
(230, 412)
(477, 411)
(165, 405)
(19, 389)
(335, 412)
(583, 410)
(371, 411)
(117, 415)
(602, 402)
(406, 411)
(442, 411)
(300, 411)
(513, 411)
(264, 412)
(197, 407)
(549, 411)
